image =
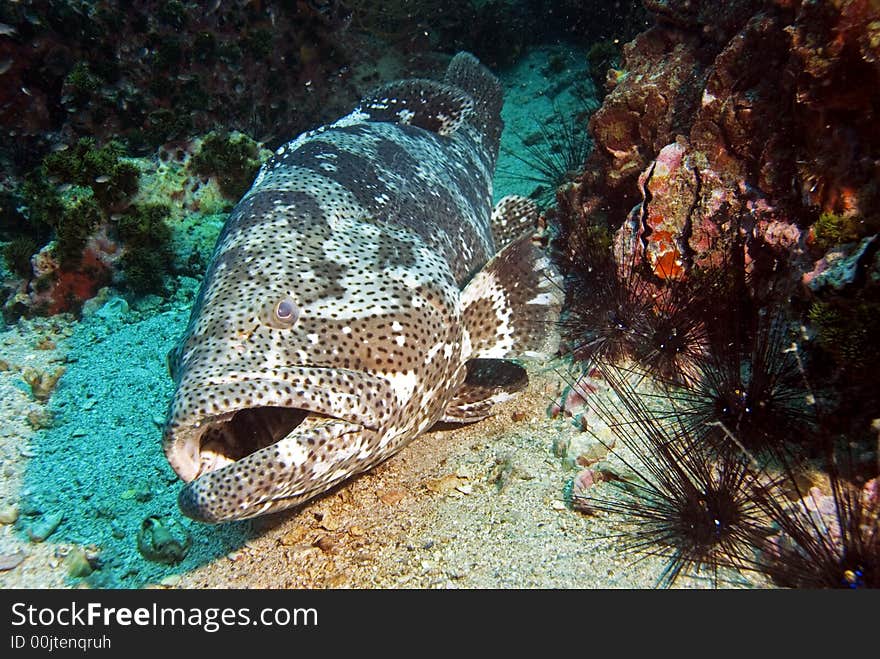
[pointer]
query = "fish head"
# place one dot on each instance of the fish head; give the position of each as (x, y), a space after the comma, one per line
(316, 348)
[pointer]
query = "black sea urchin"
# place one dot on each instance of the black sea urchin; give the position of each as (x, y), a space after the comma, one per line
(619, 313)
(697, 510)
(675, 337)
(553, 155)
(750, 386)
(826, 539)
(607, 310)
(619, 308)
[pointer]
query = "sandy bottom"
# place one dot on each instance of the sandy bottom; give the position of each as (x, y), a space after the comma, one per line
(480, 506)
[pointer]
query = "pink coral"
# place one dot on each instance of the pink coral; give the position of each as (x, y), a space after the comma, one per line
(56, 290)
(735, 123)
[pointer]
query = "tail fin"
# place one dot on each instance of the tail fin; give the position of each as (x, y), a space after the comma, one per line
(466, 72)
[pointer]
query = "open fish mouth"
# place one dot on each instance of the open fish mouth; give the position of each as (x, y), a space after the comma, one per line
(249, 414)
(248, 445)
(216, 442)
(230, 437)
(251, 461)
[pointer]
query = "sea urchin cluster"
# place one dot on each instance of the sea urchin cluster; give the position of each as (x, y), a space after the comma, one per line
(697, 511)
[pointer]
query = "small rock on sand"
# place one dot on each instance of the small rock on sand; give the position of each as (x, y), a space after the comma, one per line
(10, 561)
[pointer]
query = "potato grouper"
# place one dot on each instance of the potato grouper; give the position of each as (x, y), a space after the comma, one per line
(355, 298)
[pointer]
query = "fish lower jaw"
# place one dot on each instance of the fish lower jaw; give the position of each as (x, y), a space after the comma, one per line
(296, 468)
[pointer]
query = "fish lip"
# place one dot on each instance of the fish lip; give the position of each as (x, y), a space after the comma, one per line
(337, 400)
(182, 453)
(197, 499)
(183, 445)
(191, 505)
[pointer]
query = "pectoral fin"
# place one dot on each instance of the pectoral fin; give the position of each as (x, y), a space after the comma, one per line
(511, 307)
(488, 381)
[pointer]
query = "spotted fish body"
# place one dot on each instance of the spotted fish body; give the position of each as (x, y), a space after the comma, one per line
(351, 295)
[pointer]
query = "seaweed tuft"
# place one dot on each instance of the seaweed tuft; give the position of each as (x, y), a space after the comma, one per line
(233, 159)
(81, 82)
(848, 329)
(113, 180)
(833, 229)
(81, 216)
(147, 258)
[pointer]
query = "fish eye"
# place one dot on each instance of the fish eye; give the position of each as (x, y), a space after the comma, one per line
(286, 311)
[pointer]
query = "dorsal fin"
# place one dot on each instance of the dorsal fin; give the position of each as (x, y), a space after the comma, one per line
(467, 73)
(428, 104)
(513, 217)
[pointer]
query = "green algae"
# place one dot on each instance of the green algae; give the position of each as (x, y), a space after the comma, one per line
(97, 182)
(146, 237)
(81, 82)
(112, 179)
(833, 229)
(233, 159)
(42, 202)
(80, 217)
(847, 329)
(162, 125)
